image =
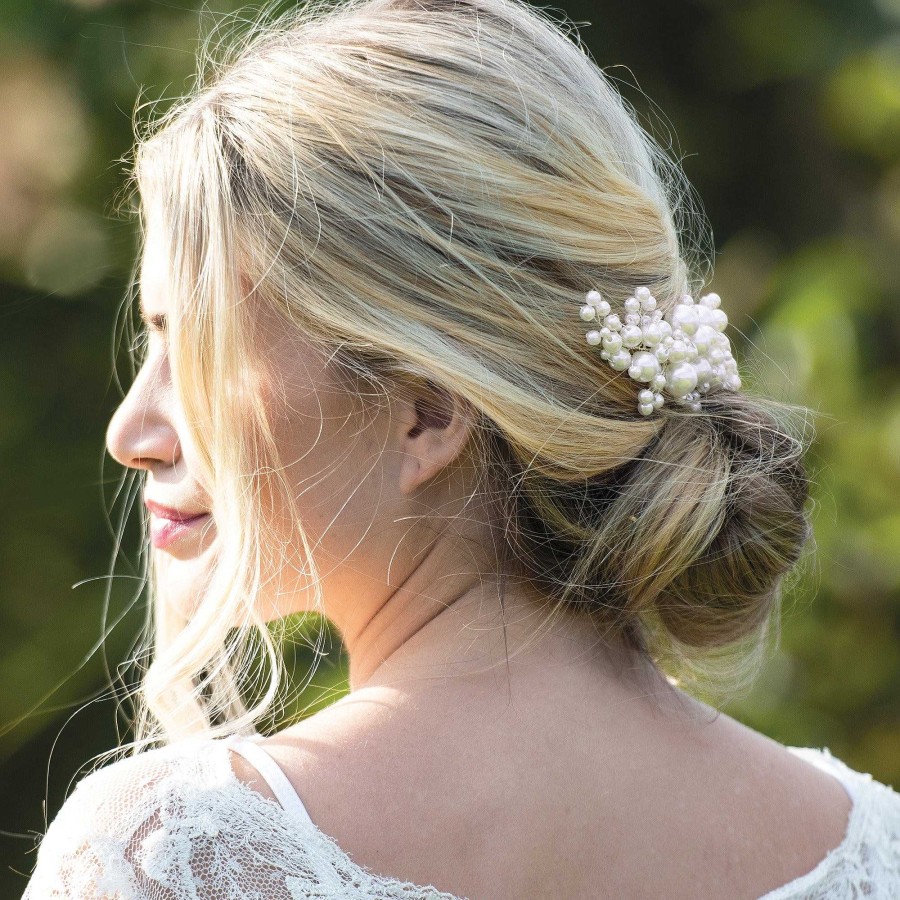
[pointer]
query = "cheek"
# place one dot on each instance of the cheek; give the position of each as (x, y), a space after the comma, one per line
(336, 470)
(332, 479)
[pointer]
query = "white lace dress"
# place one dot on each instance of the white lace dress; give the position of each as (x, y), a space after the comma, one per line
(176, 823)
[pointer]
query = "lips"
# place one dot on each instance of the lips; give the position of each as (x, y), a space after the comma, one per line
(164, 531)
(175, 526)
(172, 514)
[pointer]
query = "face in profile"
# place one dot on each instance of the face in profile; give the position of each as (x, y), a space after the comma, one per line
(341, 456)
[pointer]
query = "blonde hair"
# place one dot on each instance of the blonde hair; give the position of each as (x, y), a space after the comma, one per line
(427, 189)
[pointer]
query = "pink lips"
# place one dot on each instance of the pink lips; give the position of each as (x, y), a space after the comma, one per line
(169, 524)
(164, 531)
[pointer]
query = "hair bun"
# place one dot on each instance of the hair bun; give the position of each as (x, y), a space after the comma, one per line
(683, 548)
(756, 487)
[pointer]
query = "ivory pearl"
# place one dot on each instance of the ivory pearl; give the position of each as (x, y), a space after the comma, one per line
(621, 360)
(613, 343)
(631, 335)
(681, 379)
(704, 338)
(643, 366)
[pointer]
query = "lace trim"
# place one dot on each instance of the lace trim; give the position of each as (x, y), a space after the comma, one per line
(857, 821)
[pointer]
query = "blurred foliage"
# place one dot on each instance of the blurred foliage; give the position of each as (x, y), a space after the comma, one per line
(786, 116)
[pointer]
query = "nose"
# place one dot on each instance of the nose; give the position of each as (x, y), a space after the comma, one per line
(140, 434)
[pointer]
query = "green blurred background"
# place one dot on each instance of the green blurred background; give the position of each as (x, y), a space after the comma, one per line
(786, 116)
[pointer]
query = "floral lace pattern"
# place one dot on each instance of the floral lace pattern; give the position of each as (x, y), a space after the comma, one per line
(177, 824)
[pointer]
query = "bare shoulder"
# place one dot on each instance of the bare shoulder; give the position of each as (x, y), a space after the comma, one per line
(807, 807)
(480, 803)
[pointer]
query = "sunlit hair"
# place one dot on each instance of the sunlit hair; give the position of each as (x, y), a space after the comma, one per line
(426, 189)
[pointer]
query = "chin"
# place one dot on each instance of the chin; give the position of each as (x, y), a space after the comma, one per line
(184, 577)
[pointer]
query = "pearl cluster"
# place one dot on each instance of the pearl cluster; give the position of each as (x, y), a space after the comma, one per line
(686, 352)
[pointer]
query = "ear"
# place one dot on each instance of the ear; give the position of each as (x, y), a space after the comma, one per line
(433, 428)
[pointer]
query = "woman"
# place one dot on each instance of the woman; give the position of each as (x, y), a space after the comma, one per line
(423, 354)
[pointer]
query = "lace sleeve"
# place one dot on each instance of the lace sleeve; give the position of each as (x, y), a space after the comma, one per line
(177, 824)
(155, 827)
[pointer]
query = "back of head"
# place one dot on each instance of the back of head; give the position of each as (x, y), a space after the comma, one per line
(427, 188)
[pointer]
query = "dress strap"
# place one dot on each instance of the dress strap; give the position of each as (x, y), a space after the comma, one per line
(272, 773)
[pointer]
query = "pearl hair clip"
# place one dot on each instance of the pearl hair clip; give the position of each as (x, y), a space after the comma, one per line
(686, 352)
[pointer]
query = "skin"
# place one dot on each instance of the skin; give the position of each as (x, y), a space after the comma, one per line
(519, 763)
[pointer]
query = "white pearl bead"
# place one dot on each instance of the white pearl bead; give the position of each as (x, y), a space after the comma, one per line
(681, 379)
(587, 313)
(632, 319)
(718, 318)
(613, 343)
(593, 337)
(658, 401)
(631, 335)
(632, 305)
(685, 318)
(603, 308)
(659, 382)
(605, 332)
(652, 335)
(642, 293)
(648, 304)
(613, 323)
(687, 299)
(645, 409)
(593, 297)
(678, 352)
(712, 300)
(621, 360)
(703, 369)
(645, 396)
(643, 366)
(705, 338)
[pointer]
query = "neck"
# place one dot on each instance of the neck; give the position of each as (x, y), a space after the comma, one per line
(472, 634)
(455, 613)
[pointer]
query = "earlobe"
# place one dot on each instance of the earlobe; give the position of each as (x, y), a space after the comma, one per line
(437, 437)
